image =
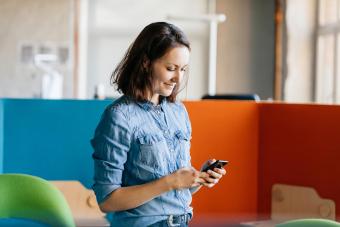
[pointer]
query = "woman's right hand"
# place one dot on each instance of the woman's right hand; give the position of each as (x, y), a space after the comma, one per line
(187, 178)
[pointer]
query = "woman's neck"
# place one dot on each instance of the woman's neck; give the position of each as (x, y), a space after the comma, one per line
(155, 99)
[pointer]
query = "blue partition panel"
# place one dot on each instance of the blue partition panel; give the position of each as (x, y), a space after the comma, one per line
(49, 138)
(1, 133)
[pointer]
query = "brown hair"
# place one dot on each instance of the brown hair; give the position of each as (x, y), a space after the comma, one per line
(155, 40)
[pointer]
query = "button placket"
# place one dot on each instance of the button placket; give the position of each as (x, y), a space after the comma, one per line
(166, 132)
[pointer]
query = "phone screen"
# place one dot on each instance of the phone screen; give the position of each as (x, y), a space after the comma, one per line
(216, 164)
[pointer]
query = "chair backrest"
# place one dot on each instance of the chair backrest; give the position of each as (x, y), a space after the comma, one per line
(292, 202)
(309, 223)
(253, 97)
(30, 197)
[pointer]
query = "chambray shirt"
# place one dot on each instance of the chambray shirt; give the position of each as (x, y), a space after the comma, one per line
(138, 142)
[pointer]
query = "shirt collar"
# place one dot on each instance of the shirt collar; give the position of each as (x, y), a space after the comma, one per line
(148, 105)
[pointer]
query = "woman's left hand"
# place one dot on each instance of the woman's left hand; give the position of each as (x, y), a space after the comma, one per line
(213, 176)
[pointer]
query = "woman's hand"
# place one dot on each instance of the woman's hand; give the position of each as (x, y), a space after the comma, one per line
(213, 176)
(187, 178)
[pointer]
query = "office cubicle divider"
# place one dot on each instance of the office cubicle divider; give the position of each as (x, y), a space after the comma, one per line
(266, 143)
(49, 138)
(226, 130)
(299, 145)
(1, 133)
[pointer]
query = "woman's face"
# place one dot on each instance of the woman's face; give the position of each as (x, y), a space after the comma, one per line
(168, 71)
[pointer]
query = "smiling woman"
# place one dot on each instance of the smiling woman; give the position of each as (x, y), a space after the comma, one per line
(143, 173)
(168, 71)
(159, 52)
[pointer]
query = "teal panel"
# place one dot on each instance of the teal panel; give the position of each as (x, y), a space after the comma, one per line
(1, 133)
(50, 138)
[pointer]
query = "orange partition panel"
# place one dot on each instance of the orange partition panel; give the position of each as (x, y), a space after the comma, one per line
(226, 130)
(299, 145)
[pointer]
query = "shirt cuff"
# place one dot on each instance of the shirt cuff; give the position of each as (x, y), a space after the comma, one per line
(103, 191)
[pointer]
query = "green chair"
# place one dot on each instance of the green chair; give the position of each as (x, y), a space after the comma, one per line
(309, 223)
(29, 197)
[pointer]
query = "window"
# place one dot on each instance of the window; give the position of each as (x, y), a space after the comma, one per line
(327, 85)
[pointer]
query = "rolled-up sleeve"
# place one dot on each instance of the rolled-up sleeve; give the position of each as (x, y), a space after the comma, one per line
(111, 143)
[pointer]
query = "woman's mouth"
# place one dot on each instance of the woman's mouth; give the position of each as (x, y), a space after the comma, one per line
(170, 86)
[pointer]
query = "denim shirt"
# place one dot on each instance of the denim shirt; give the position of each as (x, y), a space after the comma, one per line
(138, 142)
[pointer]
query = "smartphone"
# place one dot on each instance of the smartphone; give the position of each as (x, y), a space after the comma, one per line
(216, 164)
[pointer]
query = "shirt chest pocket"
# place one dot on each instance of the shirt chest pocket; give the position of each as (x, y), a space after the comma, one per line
(183, 141)
(152, 155)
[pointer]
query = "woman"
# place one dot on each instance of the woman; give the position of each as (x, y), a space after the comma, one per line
(141, 145)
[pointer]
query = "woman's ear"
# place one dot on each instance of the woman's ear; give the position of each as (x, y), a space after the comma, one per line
(146, 64)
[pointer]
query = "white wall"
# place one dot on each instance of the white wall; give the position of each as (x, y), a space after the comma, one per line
(114, 24)
(37, 23)
(245, 61)
(245, 58)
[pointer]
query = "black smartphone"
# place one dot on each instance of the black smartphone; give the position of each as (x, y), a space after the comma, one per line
(216, 164)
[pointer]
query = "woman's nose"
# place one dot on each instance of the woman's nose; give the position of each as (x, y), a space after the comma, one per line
(177, 77)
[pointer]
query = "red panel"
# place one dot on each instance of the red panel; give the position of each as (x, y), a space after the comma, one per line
(299, 145)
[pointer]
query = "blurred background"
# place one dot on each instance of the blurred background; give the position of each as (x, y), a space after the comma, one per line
(285, 50)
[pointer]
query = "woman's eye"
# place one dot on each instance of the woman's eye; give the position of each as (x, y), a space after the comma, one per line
(171, 69)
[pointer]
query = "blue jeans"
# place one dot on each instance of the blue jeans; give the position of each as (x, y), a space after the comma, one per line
(164, 223)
